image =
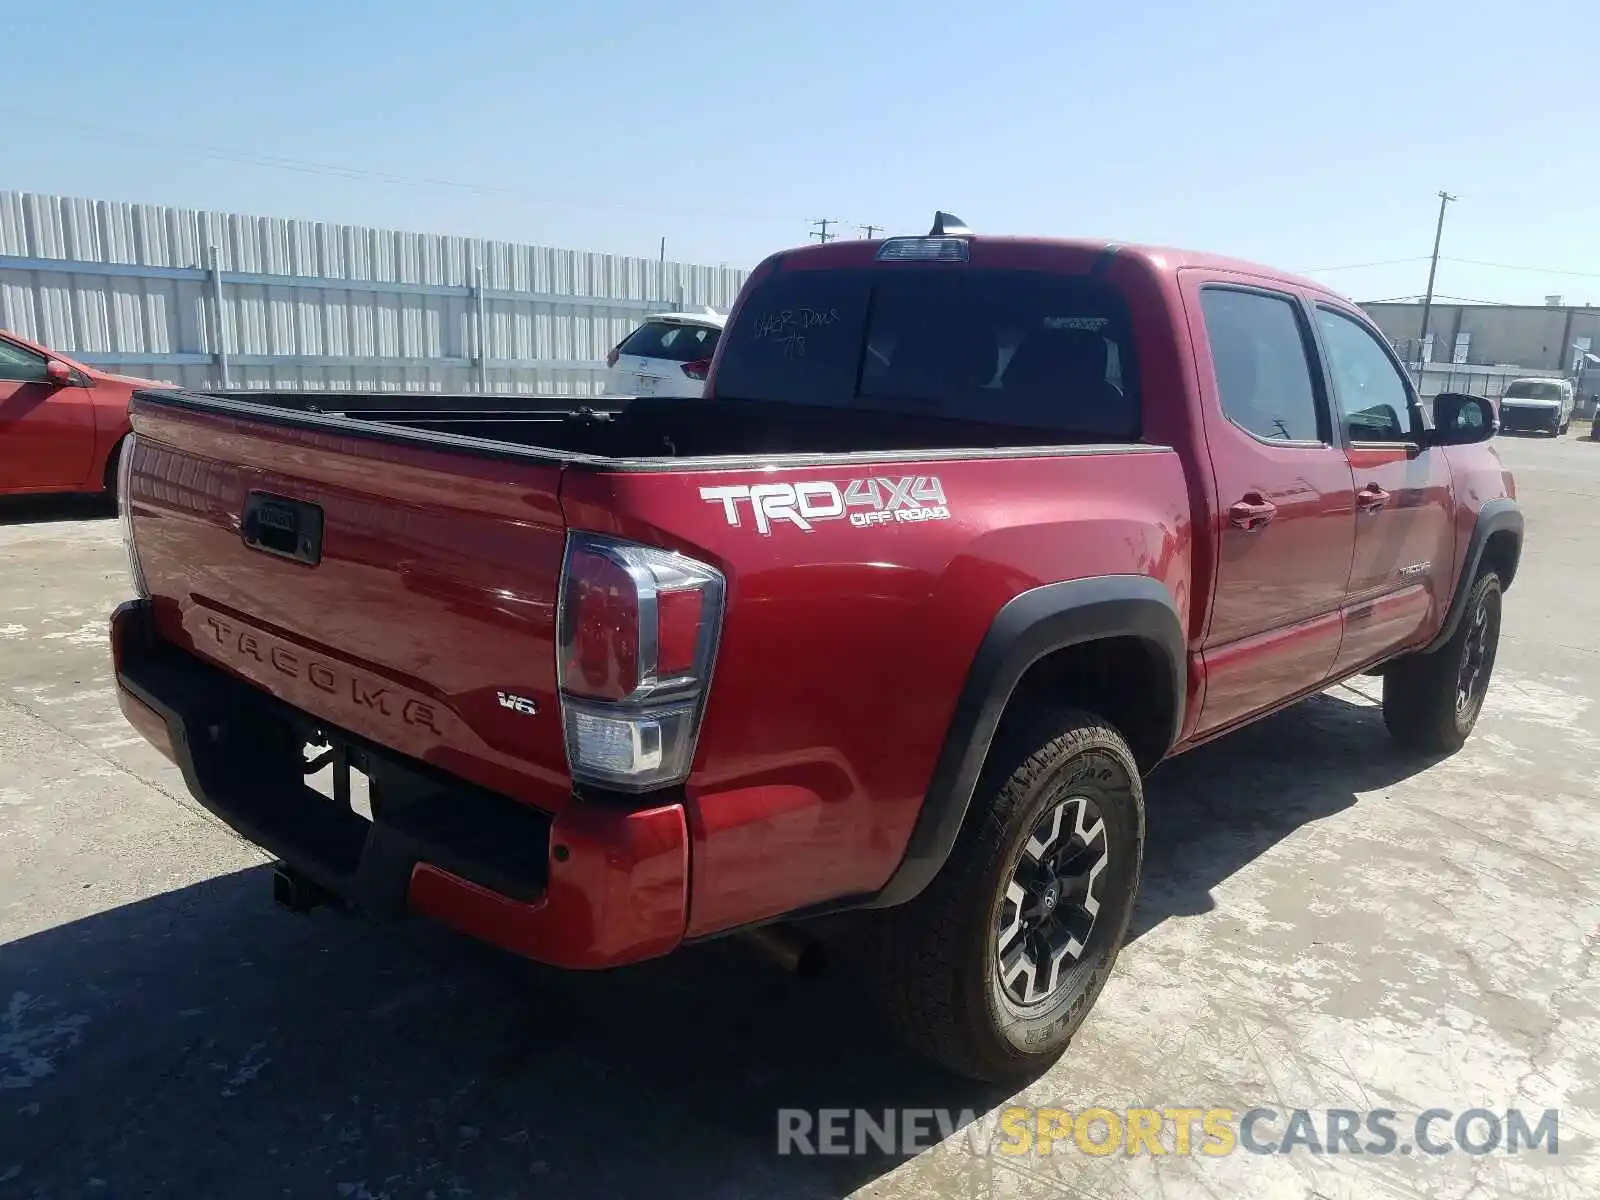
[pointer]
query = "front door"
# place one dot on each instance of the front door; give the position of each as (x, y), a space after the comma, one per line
(1405, 540)
(46, 429)
(1285, 521)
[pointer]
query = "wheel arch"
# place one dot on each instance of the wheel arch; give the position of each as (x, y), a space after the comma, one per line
(1496, 542)
(1112, 644)
(108, 469)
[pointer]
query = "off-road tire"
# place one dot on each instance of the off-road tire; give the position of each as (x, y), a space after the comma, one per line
(1421, 691)
(932, 963)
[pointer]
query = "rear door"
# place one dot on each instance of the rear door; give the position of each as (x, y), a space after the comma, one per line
(1405, 540)
(46, 429)
(1286, 519)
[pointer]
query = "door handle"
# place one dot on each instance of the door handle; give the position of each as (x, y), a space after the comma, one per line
(1252, 512)
(1371, 498)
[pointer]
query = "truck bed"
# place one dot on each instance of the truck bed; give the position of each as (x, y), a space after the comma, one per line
(588, 431)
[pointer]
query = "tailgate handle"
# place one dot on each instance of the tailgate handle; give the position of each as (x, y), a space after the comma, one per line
(281, 526)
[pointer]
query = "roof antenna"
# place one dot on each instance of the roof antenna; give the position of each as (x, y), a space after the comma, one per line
(948, 225)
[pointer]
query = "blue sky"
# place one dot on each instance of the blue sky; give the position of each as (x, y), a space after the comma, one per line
(1304, 135)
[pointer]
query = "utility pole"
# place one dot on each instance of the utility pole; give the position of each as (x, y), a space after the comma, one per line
(1433, 267)
(821, 234)
(870, 231)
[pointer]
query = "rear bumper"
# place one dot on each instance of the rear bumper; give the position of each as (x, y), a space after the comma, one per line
(597, 885)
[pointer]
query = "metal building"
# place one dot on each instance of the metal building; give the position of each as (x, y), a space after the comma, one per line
(1481, 347)
(222, 300)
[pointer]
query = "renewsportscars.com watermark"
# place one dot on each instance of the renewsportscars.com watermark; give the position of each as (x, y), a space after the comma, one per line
(1208, 1132)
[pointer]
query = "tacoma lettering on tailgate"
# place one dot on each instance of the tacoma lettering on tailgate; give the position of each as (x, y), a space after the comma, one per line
(335, 679)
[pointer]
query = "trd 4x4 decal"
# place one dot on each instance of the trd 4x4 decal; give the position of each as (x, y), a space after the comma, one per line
(866, 502)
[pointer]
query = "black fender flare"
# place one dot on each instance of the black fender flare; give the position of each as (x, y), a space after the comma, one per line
(1030, 625)
(1496, 516)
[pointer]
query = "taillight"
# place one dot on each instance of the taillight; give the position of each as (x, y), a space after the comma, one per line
(125, 514)
(698, 369)
(616, 353)
(637, 636)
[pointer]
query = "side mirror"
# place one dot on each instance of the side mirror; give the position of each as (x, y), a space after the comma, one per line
(1461, 420)
(57, 373)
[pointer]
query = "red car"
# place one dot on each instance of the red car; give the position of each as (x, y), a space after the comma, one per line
(62, 424)
(966, 536)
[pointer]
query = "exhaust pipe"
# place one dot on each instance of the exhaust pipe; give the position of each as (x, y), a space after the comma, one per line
(790, 949)
(295, 891)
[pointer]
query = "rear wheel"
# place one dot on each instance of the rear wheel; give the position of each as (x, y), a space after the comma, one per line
(993, 968)
(1432, 701)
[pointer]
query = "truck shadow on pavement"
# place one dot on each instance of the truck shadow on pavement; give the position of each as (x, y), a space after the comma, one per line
(38, 510)
(202, 1042)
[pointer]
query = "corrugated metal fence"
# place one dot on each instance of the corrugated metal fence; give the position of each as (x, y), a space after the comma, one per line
(220, 300)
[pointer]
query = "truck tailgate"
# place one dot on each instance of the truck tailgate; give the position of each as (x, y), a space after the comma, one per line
(427, 623)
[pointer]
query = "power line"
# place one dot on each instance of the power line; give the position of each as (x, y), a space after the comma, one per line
(1387, 262)
(821, 233)
(1475, 262)
(870, 231)
(1415, 298)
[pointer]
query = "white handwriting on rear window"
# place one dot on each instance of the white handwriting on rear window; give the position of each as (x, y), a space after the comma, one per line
(787, 327)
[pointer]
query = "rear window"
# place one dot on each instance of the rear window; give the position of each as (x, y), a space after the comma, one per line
(663, 339)
(1018, 348)
(1528, 389)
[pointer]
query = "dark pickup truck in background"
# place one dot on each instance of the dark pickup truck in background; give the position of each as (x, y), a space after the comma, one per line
(966, 535)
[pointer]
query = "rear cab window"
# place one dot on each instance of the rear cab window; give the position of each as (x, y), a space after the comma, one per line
(671, 340)
(1019, 348)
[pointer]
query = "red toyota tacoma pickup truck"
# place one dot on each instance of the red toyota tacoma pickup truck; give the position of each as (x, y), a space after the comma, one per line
(967, 534)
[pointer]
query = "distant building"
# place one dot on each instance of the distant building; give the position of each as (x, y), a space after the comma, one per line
(1480, 347)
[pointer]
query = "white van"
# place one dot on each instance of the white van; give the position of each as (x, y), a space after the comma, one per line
(1538, 405)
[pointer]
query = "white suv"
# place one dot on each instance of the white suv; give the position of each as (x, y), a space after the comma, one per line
(669, 355)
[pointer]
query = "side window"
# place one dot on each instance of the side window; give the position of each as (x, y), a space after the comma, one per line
(20, 365)
(1258, 348)
(1371, 394)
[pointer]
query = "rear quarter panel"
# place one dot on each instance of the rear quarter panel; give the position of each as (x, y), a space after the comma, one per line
(844, 648)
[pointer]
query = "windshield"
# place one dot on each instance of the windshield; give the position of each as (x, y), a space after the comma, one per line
(1533, 389)
(664, 339)
(1018, 348)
